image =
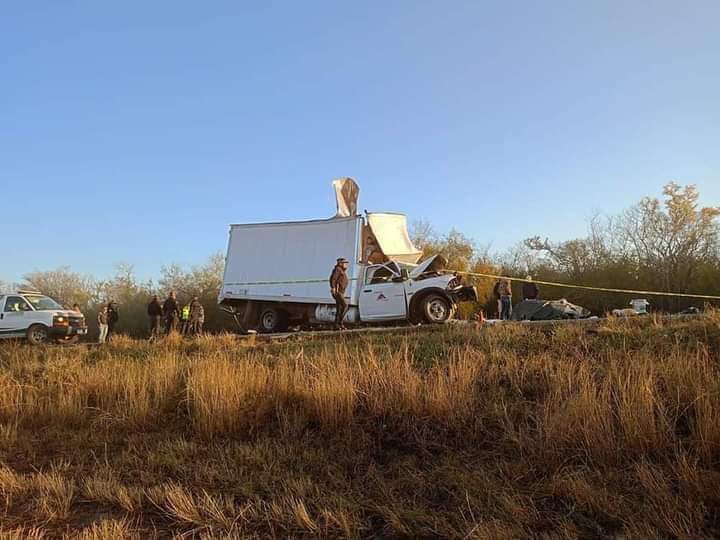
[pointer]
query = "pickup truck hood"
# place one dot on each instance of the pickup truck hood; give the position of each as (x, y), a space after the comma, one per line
(436, 263)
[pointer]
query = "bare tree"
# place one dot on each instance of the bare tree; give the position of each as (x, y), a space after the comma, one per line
(672, 239)
(63, 285)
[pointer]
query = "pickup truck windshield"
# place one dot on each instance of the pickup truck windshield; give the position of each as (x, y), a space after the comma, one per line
(41, 303)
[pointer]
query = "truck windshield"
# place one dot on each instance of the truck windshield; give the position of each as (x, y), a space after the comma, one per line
(41, 303)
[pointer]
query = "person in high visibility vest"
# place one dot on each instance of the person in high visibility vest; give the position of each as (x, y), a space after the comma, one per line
(185, 317)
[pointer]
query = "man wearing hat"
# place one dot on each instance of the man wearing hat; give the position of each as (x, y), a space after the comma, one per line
(338, 284)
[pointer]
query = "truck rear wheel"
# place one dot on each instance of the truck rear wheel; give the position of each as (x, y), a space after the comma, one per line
(37, 334)
(437, 309)
(273, 320)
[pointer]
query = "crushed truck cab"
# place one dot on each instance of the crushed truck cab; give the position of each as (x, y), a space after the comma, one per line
(399, 291)
(276, 274)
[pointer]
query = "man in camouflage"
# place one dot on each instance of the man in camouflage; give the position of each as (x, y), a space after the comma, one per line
(197, 317)
(338, 285)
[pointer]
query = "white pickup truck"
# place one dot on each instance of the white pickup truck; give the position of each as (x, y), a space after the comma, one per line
(276, 274)
(38, 318)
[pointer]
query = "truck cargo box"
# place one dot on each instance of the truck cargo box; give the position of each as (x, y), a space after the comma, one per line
(291, 261)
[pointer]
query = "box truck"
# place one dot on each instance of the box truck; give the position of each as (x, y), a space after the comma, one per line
(277, 274)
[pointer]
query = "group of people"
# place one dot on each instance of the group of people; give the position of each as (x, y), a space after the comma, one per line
(503, 294)
(167, 317)
(107, 318)
(189, 319)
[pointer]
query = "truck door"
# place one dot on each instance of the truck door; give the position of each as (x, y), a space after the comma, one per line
(13, 321)
(381, 298)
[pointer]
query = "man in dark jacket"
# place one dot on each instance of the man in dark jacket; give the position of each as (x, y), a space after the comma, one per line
(338, 285)
(155, 312)
(113, 316)
(530, 290)
(171, 312)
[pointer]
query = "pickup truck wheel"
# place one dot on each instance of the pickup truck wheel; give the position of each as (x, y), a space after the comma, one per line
(273, 320)
(37, 334)
(436, 309)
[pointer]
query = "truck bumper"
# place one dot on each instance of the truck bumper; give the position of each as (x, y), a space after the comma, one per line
(468, 293)
(67, 331)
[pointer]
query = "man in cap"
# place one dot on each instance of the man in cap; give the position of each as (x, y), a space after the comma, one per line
(155, 312)
(338, 284)
(171, 312)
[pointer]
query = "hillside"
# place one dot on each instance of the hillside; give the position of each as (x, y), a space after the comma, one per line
(502, 432)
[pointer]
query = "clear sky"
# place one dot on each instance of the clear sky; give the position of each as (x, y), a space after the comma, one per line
(137, 131)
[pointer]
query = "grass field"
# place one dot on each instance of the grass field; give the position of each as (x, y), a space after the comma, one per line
(501, 432)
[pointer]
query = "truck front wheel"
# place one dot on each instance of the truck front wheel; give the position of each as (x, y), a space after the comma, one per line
(436, 309)
(273, 320)
(37, 334)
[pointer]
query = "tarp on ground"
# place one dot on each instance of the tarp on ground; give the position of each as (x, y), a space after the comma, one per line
(548, 310)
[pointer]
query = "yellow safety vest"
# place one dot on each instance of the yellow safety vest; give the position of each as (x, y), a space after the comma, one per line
(186, 313)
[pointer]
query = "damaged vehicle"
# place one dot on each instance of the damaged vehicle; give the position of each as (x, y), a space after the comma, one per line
(276, 274)
(548, 310)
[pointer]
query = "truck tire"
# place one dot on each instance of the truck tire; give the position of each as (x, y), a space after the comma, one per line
(37, 334)
(272, 320)
(436, 309)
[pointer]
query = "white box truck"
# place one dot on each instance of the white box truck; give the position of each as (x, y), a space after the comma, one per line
(277, 274)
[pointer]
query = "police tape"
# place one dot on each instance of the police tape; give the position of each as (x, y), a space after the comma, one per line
(509, 278)
(587, 287)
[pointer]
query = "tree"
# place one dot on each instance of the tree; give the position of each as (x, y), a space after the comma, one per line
(672, 240)
(458, 250)
(204, 282)
(672, 246)
(131, 297)
(64, 286)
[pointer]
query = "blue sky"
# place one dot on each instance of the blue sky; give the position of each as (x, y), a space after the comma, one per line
(137, 131)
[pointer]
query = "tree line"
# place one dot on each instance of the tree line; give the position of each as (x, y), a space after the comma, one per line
(660, 244)
(669, 244)
(133, 295)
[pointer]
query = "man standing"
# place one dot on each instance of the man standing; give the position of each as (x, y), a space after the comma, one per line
(102, 319)
(113, 316)
(171, 312)
(530, 290)
(197, 317)
(154, 311)
(338, 284)
(505, 293)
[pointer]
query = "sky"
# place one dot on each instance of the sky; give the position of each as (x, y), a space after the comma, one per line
(135, 132)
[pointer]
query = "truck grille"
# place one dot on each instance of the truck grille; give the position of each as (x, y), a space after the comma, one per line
(78, 322)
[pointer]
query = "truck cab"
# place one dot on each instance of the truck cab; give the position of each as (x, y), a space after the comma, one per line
(419, 293)
(38, 318)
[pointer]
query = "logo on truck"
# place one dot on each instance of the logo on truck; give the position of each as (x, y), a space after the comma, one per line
(381, 298)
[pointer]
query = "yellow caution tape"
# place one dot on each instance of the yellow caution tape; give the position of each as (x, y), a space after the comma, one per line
(587, 287)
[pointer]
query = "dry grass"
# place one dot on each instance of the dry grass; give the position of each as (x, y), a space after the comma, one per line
(499, 433)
